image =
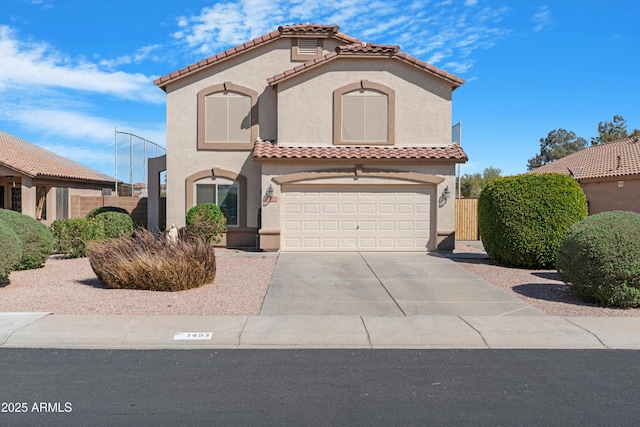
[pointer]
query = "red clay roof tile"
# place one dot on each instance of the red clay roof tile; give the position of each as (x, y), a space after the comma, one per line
(35, 161)
(619, 158)
(269, 150)
(368, 49)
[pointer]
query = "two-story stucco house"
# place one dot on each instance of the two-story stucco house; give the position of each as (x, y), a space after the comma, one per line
(312, 140)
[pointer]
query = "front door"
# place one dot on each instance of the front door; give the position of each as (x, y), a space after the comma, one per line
(1, 197)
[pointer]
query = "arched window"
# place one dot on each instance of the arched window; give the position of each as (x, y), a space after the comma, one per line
(224, 193)
(225, 188)
(227, 117)
(364, 113)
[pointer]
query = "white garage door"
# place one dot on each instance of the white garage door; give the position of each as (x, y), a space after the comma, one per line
(349, 218)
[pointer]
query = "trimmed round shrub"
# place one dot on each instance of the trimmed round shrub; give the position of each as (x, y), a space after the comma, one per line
(37, 241)
(115, 224)
(10, 250)
(523, 219)
(70, 236)
(207, 222)
(153, 263)
(97, 211)
(600, 259)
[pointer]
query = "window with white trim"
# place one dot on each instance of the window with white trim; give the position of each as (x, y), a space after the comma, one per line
(223, 193)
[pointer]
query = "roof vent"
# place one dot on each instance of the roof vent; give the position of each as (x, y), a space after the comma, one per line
(307, 46)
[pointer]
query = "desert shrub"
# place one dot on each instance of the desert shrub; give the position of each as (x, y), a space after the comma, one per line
(523, 219)
(102, 209)
(10, 250)
(37, 241)
(115, 224)
(70, 236)
(150, 262)
(600, 259)
(206, 221)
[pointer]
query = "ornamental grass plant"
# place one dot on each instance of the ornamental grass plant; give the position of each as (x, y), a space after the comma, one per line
(151, 262)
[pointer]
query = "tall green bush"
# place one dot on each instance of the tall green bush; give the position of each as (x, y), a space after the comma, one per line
(115, 224)
(600, 259)
(523, 219)
(10, 250)
(37, 241)
(70, 236)
(207, 222)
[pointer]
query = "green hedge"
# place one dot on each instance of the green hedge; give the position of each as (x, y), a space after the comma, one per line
(600, 259)
(523, 219)
(10, 250)
(102, 209)
(37, 241)
(70, 236)
(207, 222)
(115, 224)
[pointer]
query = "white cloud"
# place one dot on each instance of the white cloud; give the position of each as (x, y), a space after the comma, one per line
(37, 64)
(542, 19)
(143, 54)
(439, 31)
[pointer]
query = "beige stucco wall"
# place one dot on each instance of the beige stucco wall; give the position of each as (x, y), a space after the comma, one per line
(423, 102)
(250, 69)
(609, 196)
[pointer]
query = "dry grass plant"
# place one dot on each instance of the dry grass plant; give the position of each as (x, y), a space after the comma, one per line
(149, 262)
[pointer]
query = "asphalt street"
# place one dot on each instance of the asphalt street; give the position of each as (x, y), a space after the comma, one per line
(319, 387)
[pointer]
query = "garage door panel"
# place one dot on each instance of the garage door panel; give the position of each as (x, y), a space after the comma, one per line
(356, 218)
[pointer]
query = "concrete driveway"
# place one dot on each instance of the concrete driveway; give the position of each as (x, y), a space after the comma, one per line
(383, 283)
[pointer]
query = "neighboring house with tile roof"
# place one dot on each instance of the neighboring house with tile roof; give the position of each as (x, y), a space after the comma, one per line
(609, 174)
(312, 140)
(40, 183)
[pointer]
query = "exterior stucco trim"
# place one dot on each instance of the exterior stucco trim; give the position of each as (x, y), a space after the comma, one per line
(299, 177)
(219, 173)
(337, 111)
(226, 87)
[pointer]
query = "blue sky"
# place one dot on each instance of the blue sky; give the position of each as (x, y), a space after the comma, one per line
(71, 70)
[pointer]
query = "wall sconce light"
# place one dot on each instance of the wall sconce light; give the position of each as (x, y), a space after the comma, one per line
(268, 195)
(446, 193)
(444, 197)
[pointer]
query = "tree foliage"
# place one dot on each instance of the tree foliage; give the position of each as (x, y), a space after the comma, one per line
(472, 184)
(613, 131)
(558, 144)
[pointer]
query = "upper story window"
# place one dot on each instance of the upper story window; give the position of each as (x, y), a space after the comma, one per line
(227, 117)
(304, 49)
(364, 114)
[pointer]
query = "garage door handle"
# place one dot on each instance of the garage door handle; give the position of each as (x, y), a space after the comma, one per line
(357, 227)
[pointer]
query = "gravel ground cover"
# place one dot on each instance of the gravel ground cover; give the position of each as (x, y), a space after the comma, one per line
(542, 289)
(69, 286)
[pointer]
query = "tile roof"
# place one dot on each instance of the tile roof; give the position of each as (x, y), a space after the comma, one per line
(617, 158)
(269, 150)
(282, 31)
(368, 50)
(34, 161)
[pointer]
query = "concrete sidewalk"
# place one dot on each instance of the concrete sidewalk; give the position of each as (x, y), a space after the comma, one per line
(39, 330)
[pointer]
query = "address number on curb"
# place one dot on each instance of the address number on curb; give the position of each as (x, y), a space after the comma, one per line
(193, 336)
